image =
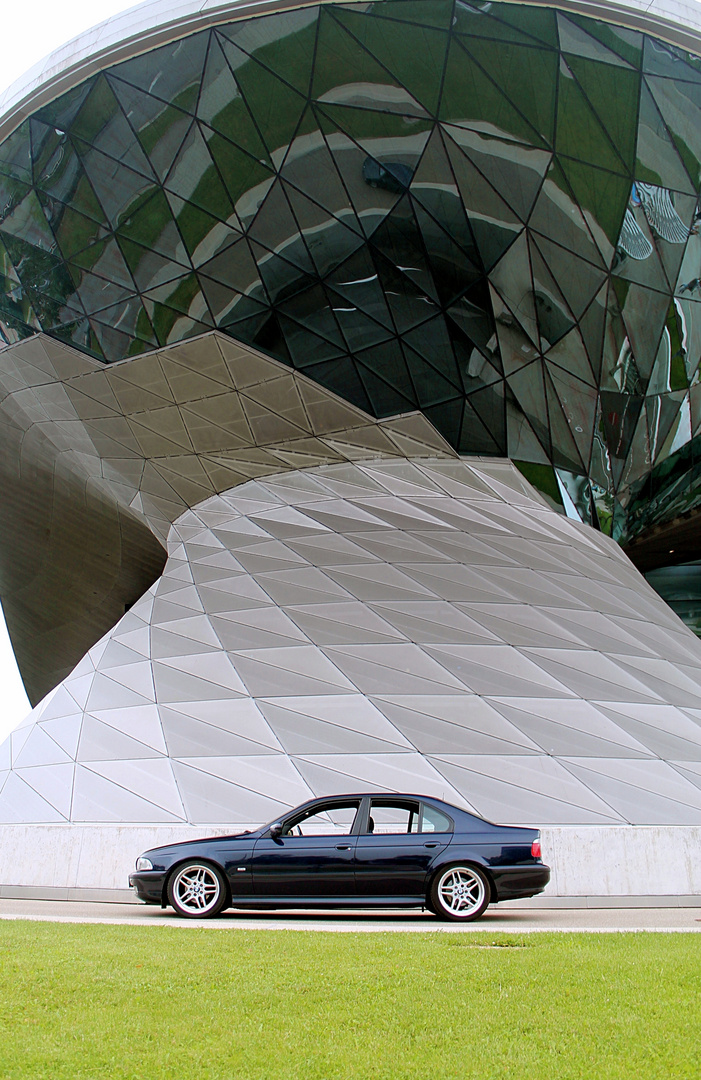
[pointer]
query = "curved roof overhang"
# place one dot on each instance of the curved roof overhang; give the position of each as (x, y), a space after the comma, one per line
(157, 22)
(114, 454)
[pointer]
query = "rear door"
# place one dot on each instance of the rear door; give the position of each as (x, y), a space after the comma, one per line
(395, 849)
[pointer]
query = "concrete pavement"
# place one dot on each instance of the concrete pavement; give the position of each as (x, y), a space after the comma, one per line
(514, 917)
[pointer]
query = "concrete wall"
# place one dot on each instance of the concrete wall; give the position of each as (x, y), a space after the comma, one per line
(633, 860)
(617, 861)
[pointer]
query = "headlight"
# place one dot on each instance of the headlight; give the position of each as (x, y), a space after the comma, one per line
(144, 864)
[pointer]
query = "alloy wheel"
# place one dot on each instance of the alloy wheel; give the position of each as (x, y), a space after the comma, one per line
(461, 892)
(197, 891)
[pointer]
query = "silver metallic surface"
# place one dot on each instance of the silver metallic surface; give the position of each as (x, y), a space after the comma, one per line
(358, 606)
(115, 454)
(428, 626)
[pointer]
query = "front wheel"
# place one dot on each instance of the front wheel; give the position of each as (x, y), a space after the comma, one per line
(460, 892)
(197, 891)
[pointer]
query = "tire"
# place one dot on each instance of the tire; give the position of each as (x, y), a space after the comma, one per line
(461, 893)
(197, 890)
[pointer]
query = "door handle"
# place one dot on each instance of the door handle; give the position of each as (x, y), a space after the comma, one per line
(431, 845)
(343, 847)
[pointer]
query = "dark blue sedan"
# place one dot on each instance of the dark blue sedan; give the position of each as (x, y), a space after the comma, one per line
(408, 851)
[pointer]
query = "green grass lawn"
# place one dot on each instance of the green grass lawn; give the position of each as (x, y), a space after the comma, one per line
(126, 1002)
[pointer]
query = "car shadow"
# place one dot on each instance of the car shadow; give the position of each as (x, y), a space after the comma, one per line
(351, 918)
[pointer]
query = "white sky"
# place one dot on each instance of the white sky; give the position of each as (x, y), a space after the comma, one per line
(34, 28)
(31, 30)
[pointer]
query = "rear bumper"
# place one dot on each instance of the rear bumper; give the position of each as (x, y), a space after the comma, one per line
(148, 885)
(518, 882)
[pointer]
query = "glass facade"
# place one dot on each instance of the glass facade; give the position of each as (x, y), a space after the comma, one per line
(487, 212)
(680, 587)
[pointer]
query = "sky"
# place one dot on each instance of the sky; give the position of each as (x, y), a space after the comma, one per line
(30, 31)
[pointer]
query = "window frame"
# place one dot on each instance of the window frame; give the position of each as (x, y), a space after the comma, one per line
(311, 811)
(403, 801)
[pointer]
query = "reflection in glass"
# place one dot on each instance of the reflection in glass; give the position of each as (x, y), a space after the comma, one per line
(486, 212)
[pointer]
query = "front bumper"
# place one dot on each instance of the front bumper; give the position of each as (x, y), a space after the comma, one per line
(519, 882)
(148, 885)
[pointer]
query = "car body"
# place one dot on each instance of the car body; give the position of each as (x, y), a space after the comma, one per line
(362, 850)
(391, 176)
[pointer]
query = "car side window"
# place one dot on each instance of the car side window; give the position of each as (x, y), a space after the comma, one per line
(332, 818)
(433, 820)
(388, 817)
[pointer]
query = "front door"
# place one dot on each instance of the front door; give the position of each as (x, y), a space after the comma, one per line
(395, 851)
(312, 858)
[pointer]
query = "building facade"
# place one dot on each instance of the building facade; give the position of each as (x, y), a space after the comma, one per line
(352, 354)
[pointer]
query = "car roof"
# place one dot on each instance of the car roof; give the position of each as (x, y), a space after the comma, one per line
(410, 796)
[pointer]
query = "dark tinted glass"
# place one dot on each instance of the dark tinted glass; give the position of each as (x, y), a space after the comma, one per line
(486, 212)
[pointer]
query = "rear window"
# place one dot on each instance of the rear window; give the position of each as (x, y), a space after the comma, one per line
(433, 820)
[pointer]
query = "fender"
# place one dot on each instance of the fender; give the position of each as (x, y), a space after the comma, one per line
(495, 860)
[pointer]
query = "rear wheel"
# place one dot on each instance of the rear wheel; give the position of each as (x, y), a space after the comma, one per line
(197, 891)
(460, 892)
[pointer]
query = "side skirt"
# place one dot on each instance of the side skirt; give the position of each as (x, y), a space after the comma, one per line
(270, 903)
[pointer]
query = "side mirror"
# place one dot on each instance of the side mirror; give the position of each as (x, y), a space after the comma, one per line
(276, 830)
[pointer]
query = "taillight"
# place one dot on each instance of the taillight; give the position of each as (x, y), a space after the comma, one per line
(535, 849)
